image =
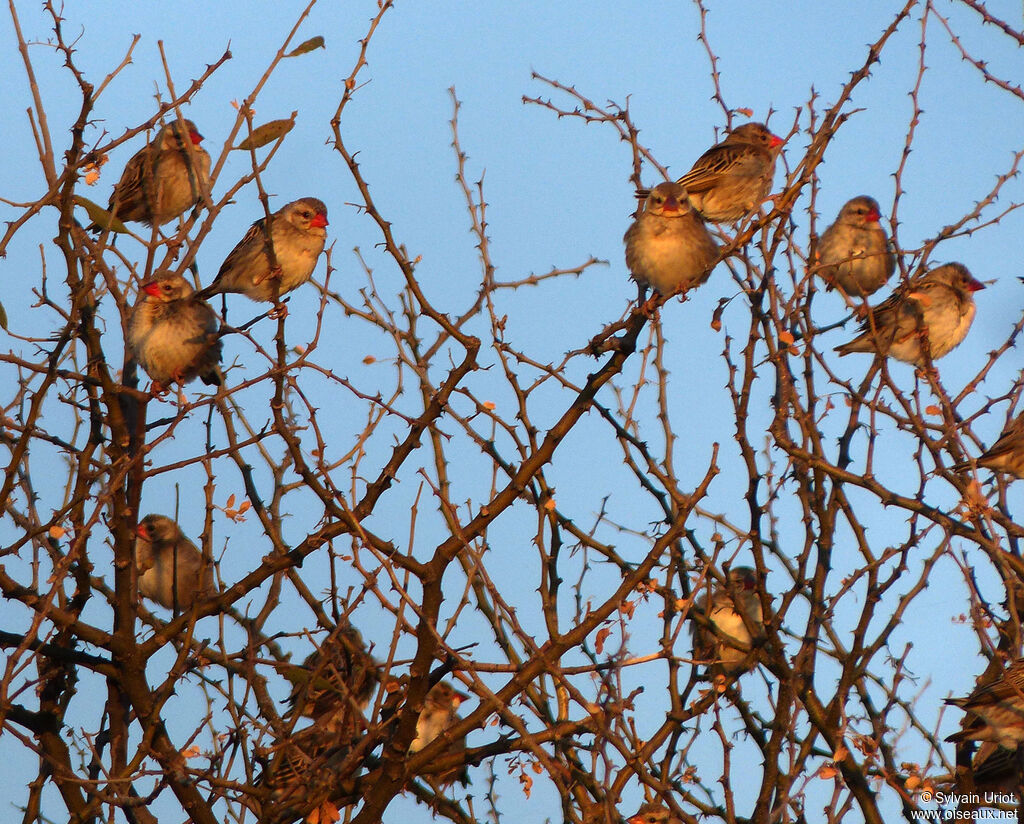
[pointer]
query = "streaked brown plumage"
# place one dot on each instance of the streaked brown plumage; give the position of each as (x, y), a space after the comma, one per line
(995, 711)
(733, 178)
(335, 683)
(309, 769)
(667, 246)
(939, 305)
(854, 252)
(171, 569)
(299, 233)
(728, 652)
(172, 334)
(164, 178)
(1007, 453)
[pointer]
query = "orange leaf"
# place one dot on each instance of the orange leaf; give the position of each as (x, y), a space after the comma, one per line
(932, 410)
(230, 503)
(57, 532)
(828, 771)
(191, 752)
(602, 635)
(786, 336)
(369, 359)
(489, 405)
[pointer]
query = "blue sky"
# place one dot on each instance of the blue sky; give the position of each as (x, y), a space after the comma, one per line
(558, 193)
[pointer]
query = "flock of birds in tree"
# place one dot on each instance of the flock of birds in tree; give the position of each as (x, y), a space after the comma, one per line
(173, 334)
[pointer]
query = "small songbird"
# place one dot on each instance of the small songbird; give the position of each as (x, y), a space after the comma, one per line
(653, 813)
(172, 333)
(1007, 453)
(728, 650)
(854, 252)
(335, 683)
(667, 246)
(164, 178)
(298, 233)
(938, 306)
(307, 773)
(995, 711)
(171, 569)
(439, 713)
(733, 178)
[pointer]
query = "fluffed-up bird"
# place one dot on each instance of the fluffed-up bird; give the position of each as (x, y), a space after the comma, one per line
(854, 252)
(995, 711)
(335, 683)
(439, 713)
(728, 649)
(172, 333)
(938, 306)
(668, 246)
(298, 233)
(164, 178)
(734, 177)
(653, 813)
(171, 570)
(1007, 453)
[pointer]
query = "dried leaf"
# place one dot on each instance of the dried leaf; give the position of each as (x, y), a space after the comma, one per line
(828, 771)
(931, 409)
(745, 112)
(56, 532)
(550, 504)
(840, 753)
(231, 501)
(100, 216)
(312, 44)
(489, 405)
(369, 359)
(326, 813)
(913, 782)
(786, 336)
(602, 636)
(191, 752)
(3, 318)
(267, 133)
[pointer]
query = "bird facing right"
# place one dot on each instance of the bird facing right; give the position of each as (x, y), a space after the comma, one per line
(439, 713)
(652, 812)
(171, 569)
(854, 252)
(667, 246)
(164, 178)
(728, 651)
(938, 306)
(172, 333)
(995, 711)
(297, 233)
(733, 178)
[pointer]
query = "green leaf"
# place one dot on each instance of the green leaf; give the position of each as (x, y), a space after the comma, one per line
(100, 217)
(310, 45)
(267, 133)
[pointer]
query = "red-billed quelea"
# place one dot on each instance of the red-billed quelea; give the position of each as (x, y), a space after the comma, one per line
(854, 252)
(937, 307)
(440, 711)
(653, 813)
(733, 178)
(668, 247)
(1007, 453)
(995, 711)
(335, 683)
(171, 570)
(172, 333)
(727, 650)
(164, 178)
(298, 233)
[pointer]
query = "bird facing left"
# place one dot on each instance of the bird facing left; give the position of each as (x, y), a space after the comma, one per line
(171, 570)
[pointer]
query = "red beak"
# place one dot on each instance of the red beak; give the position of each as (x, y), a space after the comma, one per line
(142, 531)
(670, 205)
(152, 288)
(319, 220)
(974, 285)
(873, 216)
(196, 138)
(776, 141)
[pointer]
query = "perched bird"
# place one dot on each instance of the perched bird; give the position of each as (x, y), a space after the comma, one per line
(171, 570)
(305, 772)
(938, 305)
(995, 711)
(1007, 453)
(439, 713)
(653, 813)
(727, 649)
(733, 178)
(854, 252)
(667, 246)
(172, 333)
(164, 178)
(335, 683)
(297, 232)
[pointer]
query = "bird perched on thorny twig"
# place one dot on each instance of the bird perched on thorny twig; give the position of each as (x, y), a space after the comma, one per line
(733, 178)
(854, 252)
(653, 813)
(728, 648)
(439, 713)
(937, 307)
(995, 711)
(335, 683)
(1007, 453)
(172, 333)
(667, 246)
(164, 178)
(171, 570)
(298, 234)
